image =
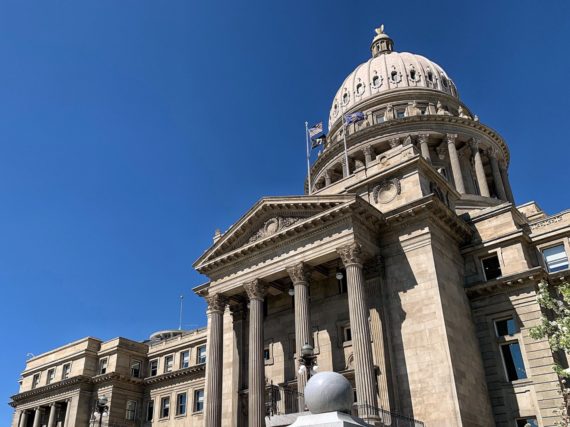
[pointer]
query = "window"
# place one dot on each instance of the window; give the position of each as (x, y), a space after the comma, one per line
(507, 332)
(149, 410)
(136, 369)
(413, 75)
(103, 365)
(527, 422)
(376, 81)
(266, 354)
(35, 380)
(380, 118)
(555, 258)
(346, 334)
(153, 367)
(491, 267)
(198, 400)
(131, 410)
(168, 363)
(181, 404)
(165, 407)
(50, 376)
(184, 359)
(66, 371)
(345, 98)
(201, 354)
(430, 76)
(394, 76)
(400, 114)
(360, 88)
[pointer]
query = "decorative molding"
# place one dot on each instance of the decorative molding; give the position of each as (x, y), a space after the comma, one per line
(351, 254)
(273, 226)
(216, 303)
(546, 222)
(387, 191)
(299, 273)
(255, 290)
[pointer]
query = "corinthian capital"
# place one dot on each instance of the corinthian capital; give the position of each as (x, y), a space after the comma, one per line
(451, 137)
(255, 289)
(299, 273)
(351, 254)
(493, 152)
(423, 138)
(216, 303)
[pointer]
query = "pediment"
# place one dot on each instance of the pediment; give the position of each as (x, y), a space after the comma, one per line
(269, 218)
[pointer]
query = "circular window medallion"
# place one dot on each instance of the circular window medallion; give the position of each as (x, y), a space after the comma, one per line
(386, 191)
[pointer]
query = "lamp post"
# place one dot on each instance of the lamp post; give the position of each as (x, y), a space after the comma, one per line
(101, 409)
(308, 361)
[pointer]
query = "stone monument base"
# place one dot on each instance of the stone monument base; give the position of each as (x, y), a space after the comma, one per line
(329, 419)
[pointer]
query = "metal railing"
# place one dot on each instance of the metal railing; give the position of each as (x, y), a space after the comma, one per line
(281, 400)
(388, 419)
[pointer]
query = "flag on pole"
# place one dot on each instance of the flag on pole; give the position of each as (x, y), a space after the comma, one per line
(321, 140)
(316, 130)
(354, 117)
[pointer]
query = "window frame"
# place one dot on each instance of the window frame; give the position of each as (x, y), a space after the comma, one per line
(185, 406)
(36, 378)
(505, 340)
(198, 401)
(65, 375)
(135, 361)
(157, 360)
(181, 361)
(551, 245)
(198, 362)
(131, 412)
(149, 408)
(489, 256)
(99, 365)
(50, 378)
(166, 368)
(162, 407)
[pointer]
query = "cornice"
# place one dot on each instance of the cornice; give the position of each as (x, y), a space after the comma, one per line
(191, 371)
(116, 377)
(506, 283)
(50, 388)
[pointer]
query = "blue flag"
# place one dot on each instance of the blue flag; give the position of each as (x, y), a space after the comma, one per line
(354, 117)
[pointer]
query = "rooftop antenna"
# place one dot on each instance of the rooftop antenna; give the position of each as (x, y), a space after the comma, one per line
(180, 322)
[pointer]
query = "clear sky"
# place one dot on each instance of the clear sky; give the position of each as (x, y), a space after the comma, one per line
(130, 130)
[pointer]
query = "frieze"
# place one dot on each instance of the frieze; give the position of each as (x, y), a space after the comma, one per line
(547, 222)
(273, 226)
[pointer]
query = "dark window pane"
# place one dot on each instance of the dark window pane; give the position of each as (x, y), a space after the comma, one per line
(525, 422)
(506, 327)
(491, 267)
(513, 361)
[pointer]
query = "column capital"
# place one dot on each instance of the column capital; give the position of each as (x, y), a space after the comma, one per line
(255, 289)
(394, 142)
(351, 254)
(450, 138)
(216, 303)
(492, 152)
(423, 138)
(474, 144)
(299, 273)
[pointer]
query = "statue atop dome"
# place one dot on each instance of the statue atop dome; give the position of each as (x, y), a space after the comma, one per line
(382, 43)
(379, 30)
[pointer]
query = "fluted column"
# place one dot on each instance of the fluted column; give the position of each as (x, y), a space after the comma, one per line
(214, 359)
(497, 178)
(52, 414)
(479, 170)
(506, 182)
(351, 256)
(24, 419)
(424, 148)
(38, 417)
(66, 422)
(299, 275)
(455, 165)
(256, 406)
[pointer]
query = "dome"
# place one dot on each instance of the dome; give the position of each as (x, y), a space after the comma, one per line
(385, 72)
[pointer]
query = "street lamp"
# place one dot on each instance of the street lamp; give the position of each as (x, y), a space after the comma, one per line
(101, 409)
(308, 361)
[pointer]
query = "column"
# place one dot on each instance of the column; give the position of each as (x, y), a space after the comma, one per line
(24, 419)
(328, 180)
(423, 140)
(300, 275)
(214, 358)
(52, 413)
(368, 154)
(38, 417)
(497, 178)
(351, 256)
(506, 182)
(256, 406)
(67, 412)
(479, 170)
(455, 166)
(238, 312)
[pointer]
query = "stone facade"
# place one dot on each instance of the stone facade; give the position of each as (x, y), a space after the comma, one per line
(406, 265)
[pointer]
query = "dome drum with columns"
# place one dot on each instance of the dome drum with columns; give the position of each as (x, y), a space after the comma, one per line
(408, 100)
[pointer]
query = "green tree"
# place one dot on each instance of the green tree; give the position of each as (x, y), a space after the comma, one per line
(555, 326)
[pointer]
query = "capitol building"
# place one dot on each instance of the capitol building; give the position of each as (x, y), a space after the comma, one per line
(406, 266)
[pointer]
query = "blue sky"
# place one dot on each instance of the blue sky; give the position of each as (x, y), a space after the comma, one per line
(130, 130)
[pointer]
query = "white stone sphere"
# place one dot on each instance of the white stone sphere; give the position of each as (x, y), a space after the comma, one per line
(328, 392)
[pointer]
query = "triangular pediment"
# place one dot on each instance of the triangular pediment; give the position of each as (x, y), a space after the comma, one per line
(268, 218)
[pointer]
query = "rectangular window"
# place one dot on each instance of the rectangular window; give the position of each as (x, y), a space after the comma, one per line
(50, 376)
(347, 333)
(184, 359)
(201, 354)
(491, 267)
(66, 371)
(198, 400)
(266, 354)
(512, 357)
(400, 114)
(181, 404)
(506, 327)
(526, 422)
(555, 258)
(131, 410)
(153, 368)
(149, 410)
(35, 380)
(165, 407)
(103, 366)
(136, 369)
(380, 118)
(168, 363)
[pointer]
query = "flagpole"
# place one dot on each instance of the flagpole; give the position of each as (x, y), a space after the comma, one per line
(308, 156)
(343, 118)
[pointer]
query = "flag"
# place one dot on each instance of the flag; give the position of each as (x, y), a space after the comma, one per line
(315, 130)
(315, 142)
(354, 117)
